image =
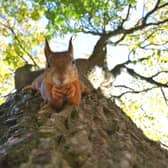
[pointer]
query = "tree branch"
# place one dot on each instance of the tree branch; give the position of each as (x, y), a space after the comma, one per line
(120, 30)
(147, 79)
(116, 42)
(152, 11)
(143, 25)
(127, 16)
(99, 52)
(117, 69)
(132, 91)
(156, 7)
(164, 96)
(157, 23)
(19, 43)
(155, 44)
(158, 73)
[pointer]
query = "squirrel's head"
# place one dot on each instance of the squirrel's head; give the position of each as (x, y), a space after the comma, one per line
(59, 58)
(60, 64)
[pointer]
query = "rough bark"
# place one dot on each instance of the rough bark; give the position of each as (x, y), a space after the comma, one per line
(95, 135)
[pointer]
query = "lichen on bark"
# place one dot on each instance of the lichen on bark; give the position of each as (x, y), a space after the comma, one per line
(97, 134)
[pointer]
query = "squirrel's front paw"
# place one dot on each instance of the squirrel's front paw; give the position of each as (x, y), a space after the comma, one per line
(57, 93)
(70, 91)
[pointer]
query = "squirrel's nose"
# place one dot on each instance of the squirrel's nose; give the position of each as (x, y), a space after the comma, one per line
(60, 81)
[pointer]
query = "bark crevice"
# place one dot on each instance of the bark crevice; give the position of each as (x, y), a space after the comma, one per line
(96, 134)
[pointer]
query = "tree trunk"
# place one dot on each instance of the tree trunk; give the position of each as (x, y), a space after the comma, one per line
(95, 135)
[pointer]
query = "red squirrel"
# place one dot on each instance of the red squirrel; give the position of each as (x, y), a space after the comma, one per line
(59, 84)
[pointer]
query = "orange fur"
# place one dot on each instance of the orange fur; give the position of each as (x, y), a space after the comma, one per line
(60, 83)
(70, 93)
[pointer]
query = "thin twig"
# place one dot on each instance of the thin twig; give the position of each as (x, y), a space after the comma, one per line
(134, 92)
(164, 96)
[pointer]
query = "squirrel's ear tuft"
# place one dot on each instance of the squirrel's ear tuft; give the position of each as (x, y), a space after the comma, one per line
(47, 50)
(70, 48)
